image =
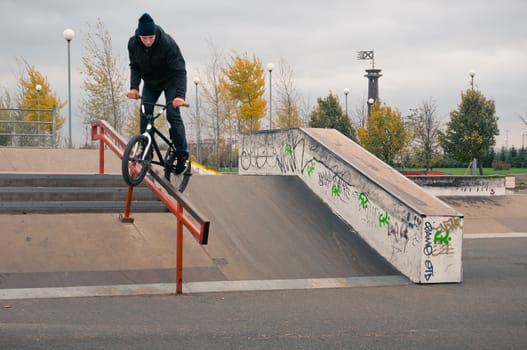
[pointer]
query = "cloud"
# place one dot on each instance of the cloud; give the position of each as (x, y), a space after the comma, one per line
(425, 48)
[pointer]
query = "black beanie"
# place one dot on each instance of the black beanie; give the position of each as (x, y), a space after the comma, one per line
(146, 25)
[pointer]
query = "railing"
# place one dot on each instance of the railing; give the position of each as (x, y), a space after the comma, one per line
(108, 137)
(25, 127)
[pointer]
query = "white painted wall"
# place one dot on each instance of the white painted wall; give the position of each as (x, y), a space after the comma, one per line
(425, 247)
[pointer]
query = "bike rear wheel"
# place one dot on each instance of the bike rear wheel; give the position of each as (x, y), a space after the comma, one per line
(179, 180)
(135, 162)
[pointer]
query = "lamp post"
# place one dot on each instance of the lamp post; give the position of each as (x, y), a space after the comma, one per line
(38, 87)
(270, 68)
(346, 92)
(472, 73)
(198, 123)
(371, 101)
(68, 35)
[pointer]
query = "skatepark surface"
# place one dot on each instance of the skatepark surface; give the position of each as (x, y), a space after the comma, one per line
(262, 228)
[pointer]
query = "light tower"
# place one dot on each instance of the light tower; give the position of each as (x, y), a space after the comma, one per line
(373, 74)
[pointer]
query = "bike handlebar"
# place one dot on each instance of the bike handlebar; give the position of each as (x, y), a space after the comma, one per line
(161, 105)
(164, 106)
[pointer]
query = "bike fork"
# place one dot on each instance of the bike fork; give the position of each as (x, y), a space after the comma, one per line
(148, 145)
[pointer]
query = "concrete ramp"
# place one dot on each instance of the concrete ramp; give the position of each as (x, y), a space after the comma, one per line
(275, 227)
(415, 231)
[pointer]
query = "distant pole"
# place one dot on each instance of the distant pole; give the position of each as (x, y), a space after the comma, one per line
(346, 92)
(472, 73)
(38, 87)
(198, 123)
(270, 68)
(54, 126)
(68, 35)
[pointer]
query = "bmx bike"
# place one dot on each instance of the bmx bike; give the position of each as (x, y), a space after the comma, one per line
(143, 151)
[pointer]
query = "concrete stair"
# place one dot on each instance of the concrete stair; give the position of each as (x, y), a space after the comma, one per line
(71, 193)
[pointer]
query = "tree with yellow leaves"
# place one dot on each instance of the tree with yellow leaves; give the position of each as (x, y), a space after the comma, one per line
(244, 81)
(39, 103)
(385, 134)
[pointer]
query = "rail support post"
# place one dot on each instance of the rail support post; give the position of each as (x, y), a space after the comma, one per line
(101, 156)
(126, 216)
(179, 249)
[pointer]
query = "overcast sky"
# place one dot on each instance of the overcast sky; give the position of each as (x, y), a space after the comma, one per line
(425, 48)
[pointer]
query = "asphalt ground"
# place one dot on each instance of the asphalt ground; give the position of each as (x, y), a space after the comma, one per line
(487, 311)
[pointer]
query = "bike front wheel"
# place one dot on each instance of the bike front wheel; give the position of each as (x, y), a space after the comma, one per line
(136, 161)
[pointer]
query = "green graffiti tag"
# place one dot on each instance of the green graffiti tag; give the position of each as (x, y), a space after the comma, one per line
(288, 149)
(336, 191)
(311, 168)
(363, 200)
(439, 239)
(384, 219)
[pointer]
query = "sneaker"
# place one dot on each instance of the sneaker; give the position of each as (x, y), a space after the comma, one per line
(181, 162)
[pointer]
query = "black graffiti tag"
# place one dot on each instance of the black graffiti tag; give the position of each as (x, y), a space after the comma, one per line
(428, 250)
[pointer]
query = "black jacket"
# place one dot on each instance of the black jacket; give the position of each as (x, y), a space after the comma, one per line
(159, 65)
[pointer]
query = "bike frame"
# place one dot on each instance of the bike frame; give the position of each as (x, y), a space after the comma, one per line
(150, 154)
(150, 133)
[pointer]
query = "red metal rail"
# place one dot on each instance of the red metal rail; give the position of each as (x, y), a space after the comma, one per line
(108, 137)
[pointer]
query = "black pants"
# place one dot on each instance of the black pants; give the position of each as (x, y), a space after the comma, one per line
(177, 127)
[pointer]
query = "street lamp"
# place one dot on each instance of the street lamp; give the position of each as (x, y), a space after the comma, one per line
(472, 73)
(198, 123)
(270, 68)
(346, 92)
(38, 87)
(68, 34)
(371, 101)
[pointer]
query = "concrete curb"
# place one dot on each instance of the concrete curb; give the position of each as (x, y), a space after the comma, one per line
(201, 287)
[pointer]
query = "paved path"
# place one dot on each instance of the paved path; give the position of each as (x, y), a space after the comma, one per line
(499, 214)
(487, 311)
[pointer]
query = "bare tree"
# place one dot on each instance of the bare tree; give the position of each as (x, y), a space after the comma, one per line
(305, 109)
(219, 110)
(361, 113)
(212, 97)
(287, 97)
(425, 131)
(6, 102)
(105, 80)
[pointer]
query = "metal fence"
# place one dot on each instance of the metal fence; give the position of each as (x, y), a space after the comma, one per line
(25, 127)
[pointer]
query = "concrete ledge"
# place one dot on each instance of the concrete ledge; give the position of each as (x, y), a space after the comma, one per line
(493, 185)
(420, 235)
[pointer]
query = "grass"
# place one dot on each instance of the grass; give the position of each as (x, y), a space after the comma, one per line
(449, 171)
(486, 171)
